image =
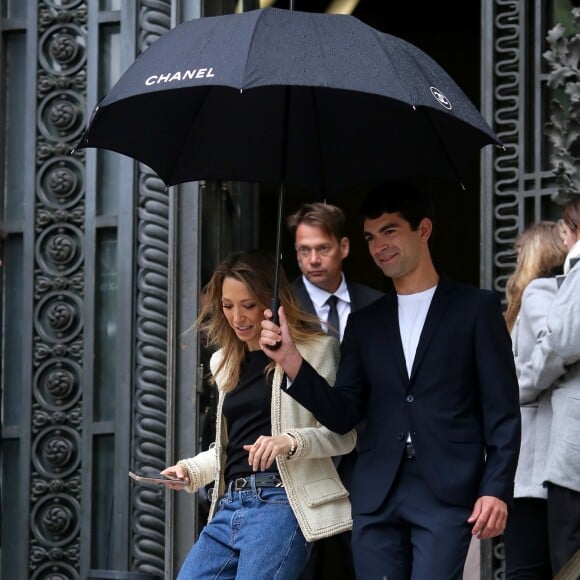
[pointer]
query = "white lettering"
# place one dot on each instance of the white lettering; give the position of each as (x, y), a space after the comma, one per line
(194, 73)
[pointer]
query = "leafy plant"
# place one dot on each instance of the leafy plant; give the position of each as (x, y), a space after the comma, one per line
(563, 130)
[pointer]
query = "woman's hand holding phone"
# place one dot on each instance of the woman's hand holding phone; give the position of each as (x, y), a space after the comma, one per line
(168, 480)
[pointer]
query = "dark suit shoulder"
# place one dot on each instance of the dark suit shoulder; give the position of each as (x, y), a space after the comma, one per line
(302, 295)
(449, 291)
(298, 283)
(375, 309)
(361, 295)
(466, 291)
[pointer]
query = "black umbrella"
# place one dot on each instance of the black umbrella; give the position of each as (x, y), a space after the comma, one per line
(320, 101)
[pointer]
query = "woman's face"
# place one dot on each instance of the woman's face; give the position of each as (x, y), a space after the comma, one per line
(570, 236)
(242, 312)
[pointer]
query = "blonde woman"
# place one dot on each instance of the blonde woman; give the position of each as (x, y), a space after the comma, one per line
(275, 486)
(529, 291)
(554, 367)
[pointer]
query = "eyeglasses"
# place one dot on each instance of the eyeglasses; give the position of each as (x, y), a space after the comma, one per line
(305, 251)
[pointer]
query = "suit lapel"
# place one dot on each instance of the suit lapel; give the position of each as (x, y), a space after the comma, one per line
(439, 304)
(303, 296)
(392, 333)
(354, 301)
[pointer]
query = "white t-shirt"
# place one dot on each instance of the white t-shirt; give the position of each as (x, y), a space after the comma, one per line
(413, 310)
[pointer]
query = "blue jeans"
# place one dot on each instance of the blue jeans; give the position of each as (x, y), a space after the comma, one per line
(254, 535)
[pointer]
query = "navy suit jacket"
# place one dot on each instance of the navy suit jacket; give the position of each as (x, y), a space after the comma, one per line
(460, 403)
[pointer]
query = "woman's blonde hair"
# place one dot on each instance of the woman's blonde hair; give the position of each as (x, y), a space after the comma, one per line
(256, 269)
(541, 252)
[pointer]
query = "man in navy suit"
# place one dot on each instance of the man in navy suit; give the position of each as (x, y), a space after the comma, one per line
(429, 367)
(321, 247)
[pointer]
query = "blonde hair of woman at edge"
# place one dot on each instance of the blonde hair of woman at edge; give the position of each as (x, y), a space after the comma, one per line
(540, 251)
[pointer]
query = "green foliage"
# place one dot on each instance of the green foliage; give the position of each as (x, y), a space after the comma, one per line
(563, 130)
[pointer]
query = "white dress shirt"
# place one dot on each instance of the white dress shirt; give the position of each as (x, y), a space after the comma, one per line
(320, 296)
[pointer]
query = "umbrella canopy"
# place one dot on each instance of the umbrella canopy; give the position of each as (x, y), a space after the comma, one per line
(320, 101)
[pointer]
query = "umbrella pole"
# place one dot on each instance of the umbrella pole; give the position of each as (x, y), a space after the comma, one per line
(275, 298)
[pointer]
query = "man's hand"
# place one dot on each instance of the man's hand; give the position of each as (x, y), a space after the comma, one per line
(489, 517)
(271, 333)
(287, 355)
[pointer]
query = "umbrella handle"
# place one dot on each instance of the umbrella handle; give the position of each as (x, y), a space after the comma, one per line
(274, 305)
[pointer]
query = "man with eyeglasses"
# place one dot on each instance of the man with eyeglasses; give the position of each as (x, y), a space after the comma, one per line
(321, 247)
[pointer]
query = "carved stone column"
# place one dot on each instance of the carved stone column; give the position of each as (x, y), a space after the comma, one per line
(152, 324)
(58, 281)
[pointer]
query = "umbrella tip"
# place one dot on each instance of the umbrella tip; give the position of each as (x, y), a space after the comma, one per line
(78, 144)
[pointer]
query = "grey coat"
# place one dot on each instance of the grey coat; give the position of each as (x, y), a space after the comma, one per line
(530, 327)
(555, 361)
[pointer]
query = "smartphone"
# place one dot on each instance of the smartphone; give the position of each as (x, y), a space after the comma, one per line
(157, 479)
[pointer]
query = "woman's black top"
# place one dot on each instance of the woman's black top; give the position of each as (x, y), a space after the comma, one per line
(247, 410)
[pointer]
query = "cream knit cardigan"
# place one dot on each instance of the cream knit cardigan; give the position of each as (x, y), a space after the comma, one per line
(315, 492)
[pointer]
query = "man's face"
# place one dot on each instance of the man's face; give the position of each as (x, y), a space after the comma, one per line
(320, 256)
(396, 248)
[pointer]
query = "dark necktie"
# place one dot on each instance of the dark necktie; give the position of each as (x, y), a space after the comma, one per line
(333, 321)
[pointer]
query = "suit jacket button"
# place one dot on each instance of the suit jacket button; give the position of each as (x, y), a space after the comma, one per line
(410, 398)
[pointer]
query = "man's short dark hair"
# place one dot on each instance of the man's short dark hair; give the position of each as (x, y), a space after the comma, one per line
(328, 217)
(397, 197)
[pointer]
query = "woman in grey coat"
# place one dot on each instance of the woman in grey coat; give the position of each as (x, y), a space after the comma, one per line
(529, 292)
(555, 365)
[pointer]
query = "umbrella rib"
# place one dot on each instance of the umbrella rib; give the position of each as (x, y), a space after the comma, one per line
(423, 110)
(375, 34)
(316, 108)
(425, 113)
(250, 43)
(194, 116)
